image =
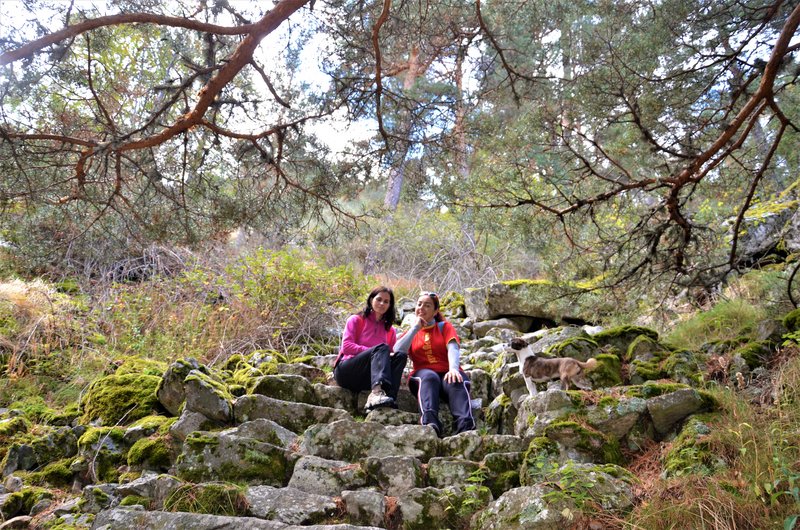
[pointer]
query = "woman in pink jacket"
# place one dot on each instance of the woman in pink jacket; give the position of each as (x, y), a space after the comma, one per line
(366, 360)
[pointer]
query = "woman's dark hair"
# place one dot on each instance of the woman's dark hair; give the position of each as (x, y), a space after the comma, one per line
(435, 298)
(388, 317)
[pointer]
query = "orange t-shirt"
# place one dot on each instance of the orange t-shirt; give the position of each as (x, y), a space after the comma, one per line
(429, 347)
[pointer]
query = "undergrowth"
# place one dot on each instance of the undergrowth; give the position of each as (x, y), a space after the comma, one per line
(54, 344)
(759, 485)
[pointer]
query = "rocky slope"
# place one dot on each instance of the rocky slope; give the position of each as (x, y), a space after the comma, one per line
(259, 443)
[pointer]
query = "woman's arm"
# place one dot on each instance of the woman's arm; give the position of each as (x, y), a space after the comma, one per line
(349, 345)
(403, 344)
(453, 358)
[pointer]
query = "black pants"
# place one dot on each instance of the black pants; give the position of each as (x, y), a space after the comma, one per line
(372, 367)
(429, 387)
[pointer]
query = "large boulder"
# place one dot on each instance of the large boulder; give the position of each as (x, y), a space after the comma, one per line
(233, 457)
(668, 409)
(554, 503)
(120, 399)
(351, 440)
(296, 417)
(208, 396)
(395, 475)
(132, 519)
(289, 505)
(170, 392)
(313, 474)
(543, 300)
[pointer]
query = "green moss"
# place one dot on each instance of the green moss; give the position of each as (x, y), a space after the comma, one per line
(11, 426)
(65, 417)
(691, 452)
(56, 474)
(94, 435)
(103, 450)
(603, 448)
(218, 387)
(154, 423)
(198, 440)
(121, 399)
(792, 320)
(754, 353)
(608, 371)
(541, 456)
(245, 376)
(133, 500)
(646, 370)
(625, 331)
(682, 366)
(138, 365)
(527, 282)
(580, 348)
(234, 362)
(211, 498)
(152, 453)
(34, 408)
(21, 502)
(652, 389)
(645, 347)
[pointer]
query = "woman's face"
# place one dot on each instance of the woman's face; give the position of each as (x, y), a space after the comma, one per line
(426, 309)
(380, 304)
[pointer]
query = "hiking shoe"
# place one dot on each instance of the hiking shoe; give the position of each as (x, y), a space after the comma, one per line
(378, 399)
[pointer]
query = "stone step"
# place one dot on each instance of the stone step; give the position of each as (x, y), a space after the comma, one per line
(136, 519)
(297, 417)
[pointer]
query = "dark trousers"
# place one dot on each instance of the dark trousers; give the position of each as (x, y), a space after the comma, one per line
(429, 387)
(372, 367)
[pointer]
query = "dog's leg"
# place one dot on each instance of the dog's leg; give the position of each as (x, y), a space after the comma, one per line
(565, 383)
(531, 385)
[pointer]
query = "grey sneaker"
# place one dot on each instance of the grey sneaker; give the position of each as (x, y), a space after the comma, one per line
(378, 399)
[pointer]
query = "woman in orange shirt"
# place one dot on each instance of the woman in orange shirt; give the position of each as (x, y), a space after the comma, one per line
(433, 346)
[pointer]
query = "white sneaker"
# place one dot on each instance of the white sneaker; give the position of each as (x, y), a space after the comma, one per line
(377, 399)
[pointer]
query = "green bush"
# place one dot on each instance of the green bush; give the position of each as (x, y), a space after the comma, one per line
(726, 320)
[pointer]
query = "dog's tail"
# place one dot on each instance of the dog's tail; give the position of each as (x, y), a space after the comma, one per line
(590, 364)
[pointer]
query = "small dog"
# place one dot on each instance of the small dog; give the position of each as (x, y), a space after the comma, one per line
(537, 369)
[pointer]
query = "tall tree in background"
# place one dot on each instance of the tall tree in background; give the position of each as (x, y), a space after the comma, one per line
(637, 137)
(634, 128)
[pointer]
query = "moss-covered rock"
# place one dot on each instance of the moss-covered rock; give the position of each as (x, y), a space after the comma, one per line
(102, 450)
(691, 452)
(589, 443)
(21, 502)
(11, 426)
(580, 348)
(453, 305)
(622, 336)
(684, 366)
(755, 354)
(140, 365)
(792, 320)
(541, 455)
(134, 500)
(156, 453)
(284, 387)
(56, 474)
(170, 391)
(608, 372)
(218, 498)
(209, 396)
(231, 457)
(121, 399)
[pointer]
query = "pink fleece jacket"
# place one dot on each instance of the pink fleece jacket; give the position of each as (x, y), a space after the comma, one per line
(361, 334)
